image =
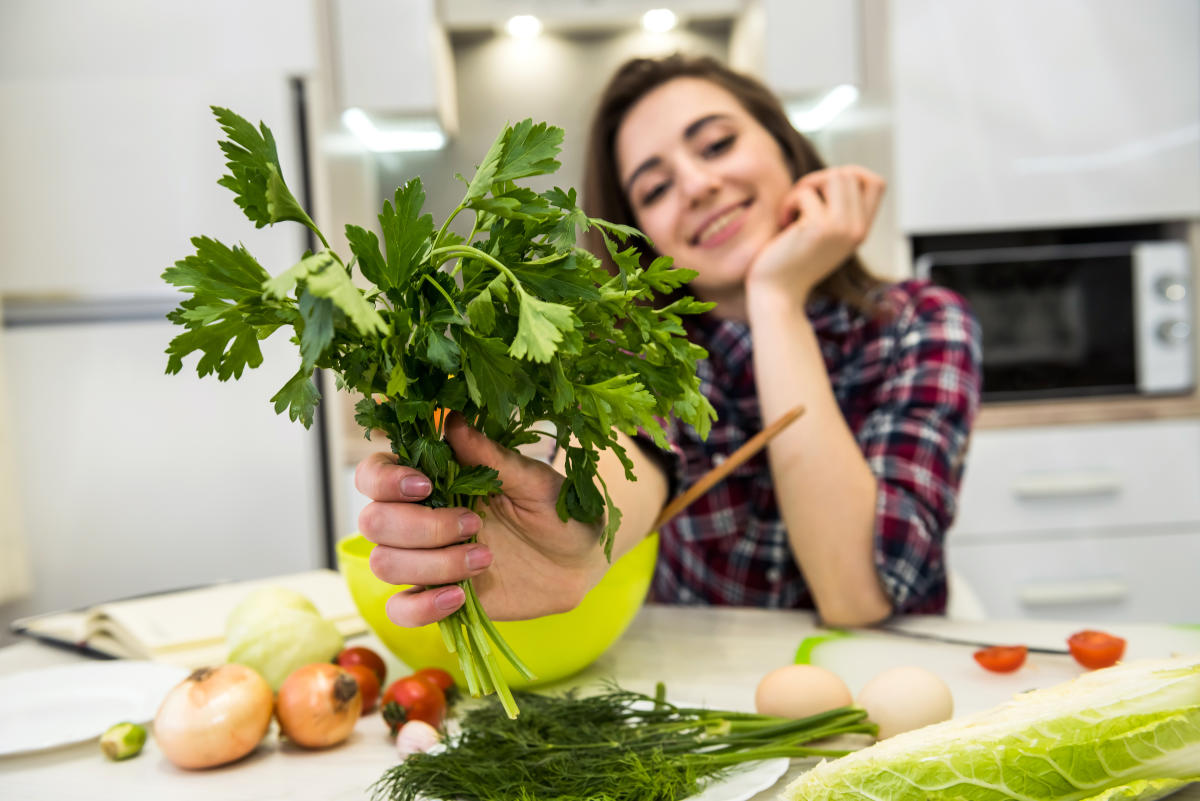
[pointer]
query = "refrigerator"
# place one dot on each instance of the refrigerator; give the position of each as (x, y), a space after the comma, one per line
(125, 480)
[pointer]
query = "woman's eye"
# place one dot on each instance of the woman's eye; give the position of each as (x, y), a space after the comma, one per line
(654, 193)
(720, 146)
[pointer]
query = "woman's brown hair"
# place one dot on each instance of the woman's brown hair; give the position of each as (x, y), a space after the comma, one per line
(604, 197)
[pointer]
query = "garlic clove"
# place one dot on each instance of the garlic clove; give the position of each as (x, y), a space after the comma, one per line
(416, 736)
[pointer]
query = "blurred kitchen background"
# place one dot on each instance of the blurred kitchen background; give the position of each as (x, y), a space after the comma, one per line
(1043, 159)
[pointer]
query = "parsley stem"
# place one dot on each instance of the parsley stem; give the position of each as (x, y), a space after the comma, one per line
(467, 250)
(442, 290)
(442, 231)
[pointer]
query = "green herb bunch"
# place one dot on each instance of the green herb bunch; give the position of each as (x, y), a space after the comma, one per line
(511, 326)
(617, 745)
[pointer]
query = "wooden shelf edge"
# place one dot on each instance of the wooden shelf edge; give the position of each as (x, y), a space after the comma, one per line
(1082, 412)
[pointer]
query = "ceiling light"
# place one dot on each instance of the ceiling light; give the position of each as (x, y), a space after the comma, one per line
(524, 26)
(659, 20)
(817, 115)
(407, 136)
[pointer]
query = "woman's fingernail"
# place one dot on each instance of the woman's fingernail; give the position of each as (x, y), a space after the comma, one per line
(469, 524)
(449, 599)
(415, 486)
(478, 558)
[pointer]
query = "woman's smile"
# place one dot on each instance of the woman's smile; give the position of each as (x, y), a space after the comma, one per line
(722, 226)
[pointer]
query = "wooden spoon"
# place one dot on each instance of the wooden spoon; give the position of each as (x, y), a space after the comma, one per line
(718, 473)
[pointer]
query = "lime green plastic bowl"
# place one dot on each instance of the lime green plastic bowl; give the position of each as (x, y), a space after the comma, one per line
(553, 647)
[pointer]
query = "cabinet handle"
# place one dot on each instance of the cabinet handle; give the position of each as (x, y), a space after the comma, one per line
(1053, 593)
(1067, 484)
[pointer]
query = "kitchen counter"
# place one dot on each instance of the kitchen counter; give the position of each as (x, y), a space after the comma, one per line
(713, 656)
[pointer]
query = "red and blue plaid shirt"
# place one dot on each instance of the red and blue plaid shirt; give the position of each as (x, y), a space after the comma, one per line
(907, 384)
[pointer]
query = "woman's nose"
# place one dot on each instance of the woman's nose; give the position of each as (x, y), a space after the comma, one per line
(696, 180)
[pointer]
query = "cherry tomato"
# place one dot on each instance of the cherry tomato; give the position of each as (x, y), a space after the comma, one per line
(368, 685)
(1002, 658)
(413, 698)
(1095, 649)
(438, 676)
(359, 655)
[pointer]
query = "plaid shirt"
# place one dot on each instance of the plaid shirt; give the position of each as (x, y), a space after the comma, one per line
(908, 385)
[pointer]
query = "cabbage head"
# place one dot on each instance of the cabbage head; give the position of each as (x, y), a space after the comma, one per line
(1127, 732)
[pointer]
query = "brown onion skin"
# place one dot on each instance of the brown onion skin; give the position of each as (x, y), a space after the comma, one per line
(214, 716)
(318, 705)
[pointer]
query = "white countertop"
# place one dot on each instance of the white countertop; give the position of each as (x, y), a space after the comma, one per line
(711, 655)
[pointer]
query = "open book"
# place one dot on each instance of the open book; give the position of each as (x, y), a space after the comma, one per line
(187, 627)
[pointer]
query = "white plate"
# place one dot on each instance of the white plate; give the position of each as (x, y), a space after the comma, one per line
(67, 704)
(744, 781)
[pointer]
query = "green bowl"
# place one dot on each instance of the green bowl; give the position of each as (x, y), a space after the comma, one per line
(553, 647)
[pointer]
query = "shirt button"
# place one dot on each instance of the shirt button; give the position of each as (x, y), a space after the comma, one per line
(774, 574)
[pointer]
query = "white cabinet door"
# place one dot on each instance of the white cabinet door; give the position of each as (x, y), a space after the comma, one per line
(1027, 113)
(1081, 479)
(1144, 577)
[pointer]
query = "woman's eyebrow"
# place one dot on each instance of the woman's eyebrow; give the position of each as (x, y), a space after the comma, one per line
(689, 132)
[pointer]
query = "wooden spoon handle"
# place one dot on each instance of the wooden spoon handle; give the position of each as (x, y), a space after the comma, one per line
(718, 473)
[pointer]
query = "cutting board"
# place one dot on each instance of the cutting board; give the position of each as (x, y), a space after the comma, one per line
(860, 655)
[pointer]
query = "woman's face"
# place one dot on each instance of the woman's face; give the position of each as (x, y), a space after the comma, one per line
(704, 179)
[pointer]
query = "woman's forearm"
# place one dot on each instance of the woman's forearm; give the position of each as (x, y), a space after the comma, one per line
(825, 489)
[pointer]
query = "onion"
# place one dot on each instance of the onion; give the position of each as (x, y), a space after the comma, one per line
(214, 716)
(318, 705)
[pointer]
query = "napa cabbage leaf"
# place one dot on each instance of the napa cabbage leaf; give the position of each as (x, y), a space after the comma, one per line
(1127, 732)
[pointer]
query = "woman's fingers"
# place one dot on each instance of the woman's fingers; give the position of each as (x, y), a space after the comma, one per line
(418, 606)
(381, 479)
(424, 568)
(411, 525)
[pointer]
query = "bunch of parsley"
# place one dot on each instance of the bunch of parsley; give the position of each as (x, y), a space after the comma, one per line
(512, 325)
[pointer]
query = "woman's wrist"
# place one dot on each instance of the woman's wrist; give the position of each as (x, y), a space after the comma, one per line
(767, 304)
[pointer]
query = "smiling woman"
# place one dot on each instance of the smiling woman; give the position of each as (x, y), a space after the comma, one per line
(847, 510)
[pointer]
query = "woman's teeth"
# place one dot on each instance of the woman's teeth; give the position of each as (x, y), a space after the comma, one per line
(718, 224)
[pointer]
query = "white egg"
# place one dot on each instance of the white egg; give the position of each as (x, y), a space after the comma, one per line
(904, 698)
(797, 691)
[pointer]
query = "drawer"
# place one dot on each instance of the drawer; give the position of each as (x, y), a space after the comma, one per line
(1146, 577)
(1080, 478)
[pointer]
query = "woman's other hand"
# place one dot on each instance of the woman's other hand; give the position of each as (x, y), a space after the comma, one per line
(525, 563)
(823, 220)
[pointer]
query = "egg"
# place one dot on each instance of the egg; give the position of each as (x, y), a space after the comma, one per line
(797, 691)
(904, 698)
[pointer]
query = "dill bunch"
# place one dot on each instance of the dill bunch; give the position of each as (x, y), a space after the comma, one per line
(617, 745)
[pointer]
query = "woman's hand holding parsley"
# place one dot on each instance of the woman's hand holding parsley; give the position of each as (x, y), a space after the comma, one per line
(823, 220)
(526, 562)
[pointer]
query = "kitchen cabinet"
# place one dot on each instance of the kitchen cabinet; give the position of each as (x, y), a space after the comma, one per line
(1028, 114)
(1089, 522)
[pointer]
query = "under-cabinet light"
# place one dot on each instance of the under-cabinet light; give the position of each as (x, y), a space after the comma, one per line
(817, 115)
(524, 26)
(659, 20)
(408, 136)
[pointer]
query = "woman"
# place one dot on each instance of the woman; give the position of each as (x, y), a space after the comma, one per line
(846, 510)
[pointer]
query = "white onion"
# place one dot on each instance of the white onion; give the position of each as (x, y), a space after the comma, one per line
(214, 716)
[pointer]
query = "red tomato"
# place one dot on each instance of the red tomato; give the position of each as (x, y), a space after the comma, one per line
(1095, 649)
(438, 676)
(368, 685)
(413, 698)
(364, 656)
(1002, 658)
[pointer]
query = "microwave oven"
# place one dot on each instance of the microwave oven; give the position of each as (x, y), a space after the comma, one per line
(1083, 320)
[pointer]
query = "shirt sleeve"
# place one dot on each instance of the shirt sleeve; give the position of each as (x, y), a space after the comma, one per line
(915, 442)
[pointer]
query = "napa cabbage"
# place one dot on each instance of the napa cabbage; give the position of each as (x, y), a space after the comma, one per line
(1127, 732)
